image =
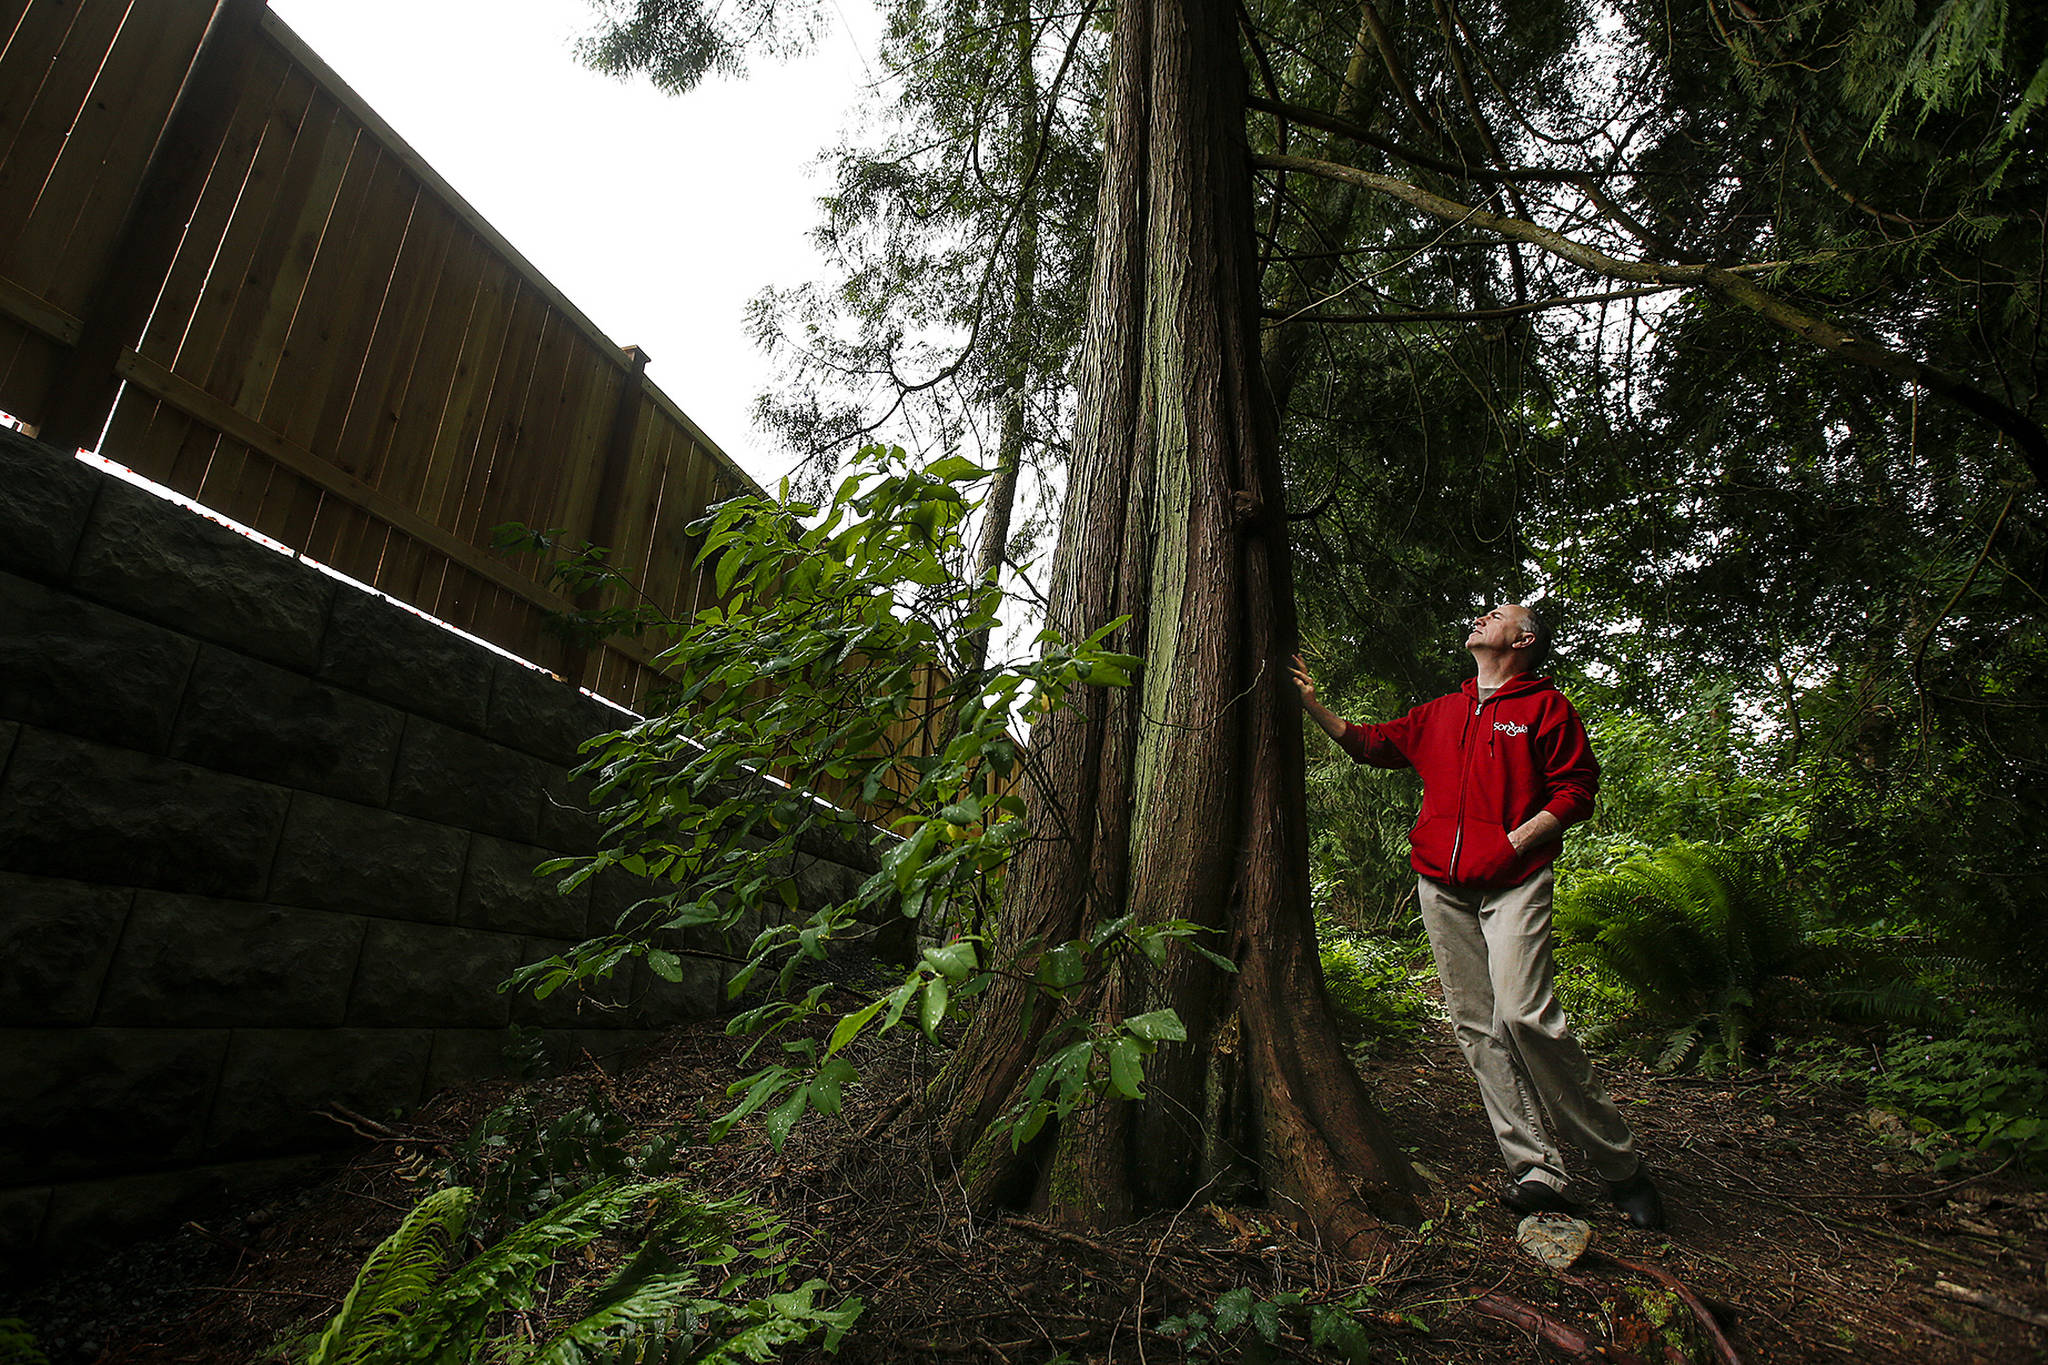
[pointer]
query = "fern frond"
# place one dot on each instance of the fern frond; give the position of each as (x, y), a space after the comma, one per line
(1678, 1047)
(506, 1275)
(634, 1319)
(401, 1273)
(779, 1320)
(1901, 1001)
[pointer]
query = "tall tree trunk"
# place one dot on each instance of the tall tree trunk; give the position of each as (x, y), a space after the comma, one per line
(1179, 797)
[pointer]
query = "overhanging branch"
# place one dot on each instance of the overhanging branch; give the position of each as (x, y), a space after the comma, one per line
(1727, 282)
(1512, 310)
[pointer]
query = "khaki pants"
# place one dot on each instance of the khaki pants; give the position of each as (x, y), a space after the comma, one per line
(1492, 952)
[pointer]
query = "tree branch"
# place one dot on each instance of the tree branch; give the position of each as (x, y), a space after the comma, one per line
(2026, 435)
(1345, 128)
(1513, 310)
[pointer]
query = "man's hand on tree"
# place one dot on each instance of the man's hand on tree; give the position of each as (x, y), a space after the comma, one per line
(1319, 713)
(1303, 682)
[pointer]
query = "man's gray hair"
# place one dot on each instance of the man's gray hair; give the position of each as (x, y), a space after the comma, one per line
(1539, 653)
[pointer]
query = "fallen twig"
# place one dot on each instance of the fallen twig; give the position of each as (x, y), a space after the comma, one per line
(883, 1119)
(1992, 1303)
(364, 1126)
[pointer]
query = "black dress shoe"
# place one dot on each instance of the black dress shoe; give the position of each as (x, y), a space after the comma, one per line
(1637, 1197)
(1536, 1196)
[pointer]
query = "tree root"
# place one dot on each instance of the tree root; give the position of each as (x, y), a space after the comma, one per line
(1550, 1331)
(1992, 1303)
(1724, 1349)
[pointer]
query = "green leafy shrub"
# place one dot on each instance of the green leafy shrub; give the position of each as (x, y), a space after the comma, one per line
(1986, 1086)
(1374, 983)
(837, 657)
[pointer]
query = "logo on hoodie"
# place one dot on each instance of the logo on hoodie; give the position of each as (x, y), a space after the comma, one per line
(1512, 727)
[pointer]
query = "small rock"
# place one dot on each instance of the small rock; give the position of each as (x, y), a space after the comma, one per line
(1554, 1240)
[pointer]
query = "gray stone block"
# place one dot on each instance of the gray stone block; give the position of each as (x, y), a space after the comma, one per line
(72, 665)
(275, 1079)
(178, 569)
(46, 497)
(192, 962)
(613, 892)
(843, 842)
(71, 808)
(820, 882)
(565, 822)
(658, 1003)
(77, 1101)
(56, 939)
(460, 779)
(90, 1217)
(385, 651)
(252, 718)
(420, 974)
(499, 891)
(21, 1224)
(539, 714)
(336, 855)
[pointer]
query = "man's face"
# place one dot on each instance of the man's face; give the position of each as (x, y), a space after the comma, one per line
(1499, 628)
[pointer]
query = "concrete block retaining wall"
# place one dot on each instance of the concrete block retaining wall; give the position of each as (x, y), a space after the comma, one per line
(266, 844)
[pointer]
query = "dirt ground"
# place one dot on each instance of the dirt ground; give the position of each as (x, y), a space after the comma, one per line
(1801, 1231)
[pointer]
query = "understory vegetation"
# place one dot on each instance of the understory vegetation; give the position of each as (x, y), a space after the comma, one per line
(563, 1241)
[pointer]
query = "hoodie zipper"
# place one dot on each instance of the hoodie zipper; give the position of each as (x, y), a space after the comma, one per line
(1464, 782)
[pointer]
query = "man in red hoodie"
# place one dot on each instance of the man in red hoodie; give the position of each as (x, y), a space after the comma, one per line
(1505, 767)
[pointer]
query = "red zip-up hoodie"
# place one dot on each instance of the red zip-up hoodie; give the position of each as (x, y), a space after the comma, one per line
(1486, 767)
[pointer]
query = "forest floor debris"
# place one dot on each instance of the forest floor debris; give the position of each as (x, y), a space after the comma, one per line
(1799, 1233)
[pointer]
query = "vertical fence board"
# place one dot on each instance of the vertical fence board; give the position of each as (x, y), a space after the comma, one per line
(321, 343)
(65, 245)
(407, 461)
(521, 477)
(33, 44)
(145, 432)
(47, 119)
(267, 282)
(454, 453)
(228, 274)
(250, 126)
(365, 433)
(26, 363)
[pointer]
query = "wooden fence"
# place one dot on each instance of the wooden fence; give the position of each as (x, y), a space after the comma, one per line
(311, 333)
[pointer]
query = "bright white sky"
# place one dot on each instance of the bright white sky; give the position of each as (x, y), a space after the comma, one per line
(658, 215)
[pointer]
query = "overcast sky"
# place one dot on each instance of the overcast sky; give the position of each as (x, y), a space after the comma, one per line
(658, 215)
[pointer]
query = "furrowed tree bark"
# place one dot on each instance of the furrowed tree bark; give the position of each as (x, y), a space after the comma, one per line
(1179, 797)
